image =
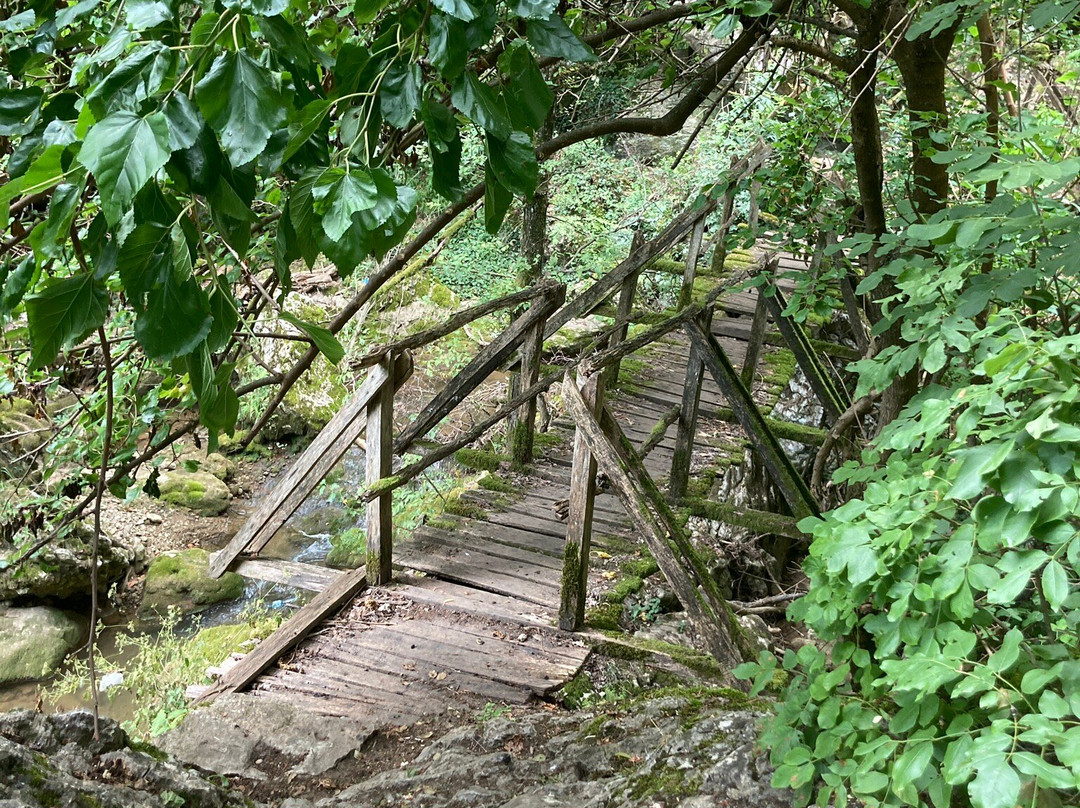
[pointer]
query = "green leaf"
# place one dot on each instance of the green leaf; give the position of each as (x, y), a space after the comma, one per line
(911, 765)
(533, 9)
(137, 77)
(311, 118)
(143, 14)
(1007, 654)
(514, 162)
(16, 284)
(224, 314)
(553, 37)
(177, 315)
(497, 201)
(57, 225)
(1047, 775)
(243, 103)
(447, 49)
(456, 8)
(366, 11)
(338, 195)
(263, 8)
(997, 785)
(19, 110)
(325, 341)
(529, 99)
(123, 152)
(444, 143)
(1055, 584)
(400, 94)
(185, 122)
(65, 311)
(479, 103)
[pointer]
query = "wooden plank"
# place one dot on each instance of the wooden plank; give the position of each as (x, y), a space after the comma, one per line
(522, 424)
(447, 568)
(290, 633)
(482, 365)
(787, 479)
(602, 289)
(378, 463)
(834, 399)
(527, 569)
(625, 306)
(472, 543)
(709, 614)
(679, 476)
(329, 446)
(455, 597)
(310, 577)
(579, 520)
(693, 251)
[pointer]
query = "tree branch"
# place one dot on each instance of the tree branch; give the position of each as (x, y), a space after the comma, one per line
(814, 49)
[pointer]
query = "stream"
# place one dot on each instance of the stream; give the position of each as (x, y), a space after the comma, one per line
(305, 537)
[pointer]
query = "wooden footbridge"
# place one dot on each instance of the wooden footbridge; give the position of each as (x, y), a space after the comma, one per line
(486, 606)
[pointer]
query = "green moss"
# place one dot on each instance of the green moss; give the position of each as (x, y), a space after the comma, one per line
(457, 506)
(574, 693)
(442, 523)
(216, 643)
(548, 441)
(348, 549)
(665, 781)
(630, 370)
(479, 459)
(605, 616)
(781, 364)
(385, 483)
(493, 482)
(181, 579)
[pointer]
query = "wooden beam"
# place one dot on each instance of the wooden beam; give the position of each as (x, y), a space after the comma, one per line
(378, 463)
(523, 420)
(579, 518)
(624, 310)
(763, 522)
(679, 476)
(289, 634)
(693, 252)
(834, 399)
(329, 446)
(787, 479)
(482, 366)
(709, 614)
(602, 289)
(309, 577)
(657, 433)
(754, 343)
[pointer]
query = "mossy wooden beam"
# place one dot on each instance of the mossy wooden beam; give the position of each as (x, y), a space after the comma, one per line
(754, 342)
(679, 475)
(656, 434)
(659, 528)
(787, 479)
(786, 430)
(757, 521)
(833, 398)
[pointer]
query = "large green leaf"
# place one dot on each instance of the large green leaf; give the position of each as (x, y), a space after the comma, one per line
(461, 9)
(553, 37)
(66, 310)
(143, 14)
(123, 152)
(185, 122)
(242, 101)
(446, 45)
(17, 282)
(534, 9)
(480, 104)
(19, 110)
(339, 194)
(177, 315)
(997, 785)
(325, 341)
(514, 162)
(497, 199)
(529, 98)
(47, 237)
(133, 80)
(400, 94)
(144, 260)
(264, 8)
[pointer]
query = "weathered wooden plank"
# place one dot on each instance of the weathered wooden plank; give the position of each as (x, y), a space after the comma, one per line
(329, 446)
(451, 569)
(650, 250)
(679, 476)
(481, 366)
(455, 597)
(310, 577)
(693, 252)
(378, 463)
(787, 479)
(579, 519)
(473, 543)
(833, 398)
(522, 424)
(625, 307)
(527, 569)
(709, 614)
(757, 521)
(290, 633)
(755, 341)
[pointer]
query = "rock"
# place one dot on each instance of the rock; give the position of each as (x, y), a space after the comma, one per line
(53, 760)
(34, 641)
(20, 431)
(213, 463)
(61, 569)
(180, 579)
(757, 630)
(200, 491)
(231, 735)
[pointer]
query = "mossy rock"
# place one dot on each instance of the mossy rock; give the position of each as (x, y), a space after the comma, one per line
(181, 580)
(34, 641)
(348, 549)
(213, 463)
(199, 491)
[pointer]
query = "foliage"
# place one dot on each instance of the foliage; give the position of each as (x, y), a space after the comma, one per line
(163, 664)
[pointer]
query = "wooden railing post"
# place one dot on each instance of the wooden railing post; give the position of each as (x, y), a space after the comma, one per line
(523, 422)
(693, 252)
(627, 293)
(679, 477)
(575, 575)
(379, 464)
(755, 341)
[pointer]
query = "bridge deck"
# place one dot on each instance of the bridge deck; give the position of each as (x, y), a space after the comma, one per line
(477, 625)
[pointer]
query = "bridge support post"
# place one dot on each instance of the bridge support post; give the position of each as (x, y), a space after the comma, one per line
(693, 252)
(523, 423)
(679, 477)
(757, 338)
(575, 575)
(379, 464)
(625, 307)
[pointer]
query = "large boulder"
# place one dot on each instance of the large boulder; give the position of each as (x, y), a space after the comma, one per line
(20, 432)
(34, 641)
(61, 569)
(199, 491)
(180, 579)
(54, 760)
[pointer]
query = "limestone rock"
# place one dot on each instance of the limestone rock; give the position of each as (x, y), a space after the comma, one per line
(61, 569)
(230, 736)
(53, 760)
(180, 579)
(213, 463)
(34, 641)
(199, 491)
